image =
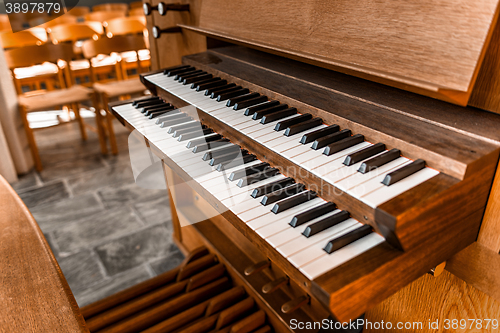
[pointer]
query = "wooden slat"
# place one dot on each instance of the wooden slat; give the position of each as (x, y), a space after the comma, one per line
(182, 319)
(35, 294)
(489, 235)
(235, 312)
(409, 51)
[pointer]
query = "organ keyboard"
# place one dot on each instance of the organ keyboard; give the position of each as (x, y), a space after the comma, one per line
(352, 208)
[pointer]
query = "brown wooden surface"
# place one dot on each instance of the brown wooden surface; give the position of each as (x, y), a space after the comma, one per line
(414, 51)
(169, 48)
(35, 294)
(489, 235)
(444, 297)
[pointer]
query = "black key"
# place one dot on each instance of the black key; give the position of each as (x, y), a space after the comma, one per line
(144, 99)
(216, 94)
(181, 118)
(189, 76)
(364, 153)
(197, 133)
(251, 110)
(268, 188)
(193, 143)
(296, 120)
(195, 128)
(247, 171)
(256, 177)
(192, 124)
(296, 200)
(215, 84)
(325, 223)
(205, 82)
(331, 138)
(333, 148)
(350, 237)
(228, 95)
(198, 78)
(230, 164)
(249, 102)
(173, 71)
(310, 137)
(210, 91)
(154, 106)
(278, 115)
(210, 145)
(180, 77)
(311, 214)
(281, 194)
(177, 74)
(403, 172)
(379, 160)
(211, 154)
(226, 158)
(158, 108)
(169, 116)
(242, 98)
(266, 112)
(159, 113)
(306, 125)
(142, 105)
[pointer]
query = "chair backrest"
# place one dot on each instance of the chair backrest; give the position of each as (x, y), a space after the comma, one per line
(104, 16)
(22, 20)
(33, 54)
(110, 7)
(4, 23)
(33, 36)
(136, 12)
(79, 11)
(135, 4)
(126, 26)
(63, 19)
(118, 44)
(76, 31)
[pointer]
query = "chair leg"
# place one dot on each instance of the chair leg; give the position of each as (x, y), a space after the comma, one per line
(76, 109)
(31, 139)
(99, 124)
(111, 131)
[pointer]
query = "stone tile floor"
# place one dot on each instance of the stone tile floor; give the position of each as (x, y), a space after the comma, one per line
(106, 232)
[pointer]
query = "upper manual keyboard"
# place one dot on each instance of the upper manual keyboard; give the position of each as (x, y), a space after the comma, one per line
(366, 171)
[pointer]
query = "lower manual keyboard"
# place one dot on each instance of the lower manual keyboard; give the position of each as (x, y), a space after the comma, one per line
(311, 233)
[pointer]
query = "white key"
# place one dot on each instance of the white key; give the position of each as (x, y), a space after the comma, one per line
(327, 262)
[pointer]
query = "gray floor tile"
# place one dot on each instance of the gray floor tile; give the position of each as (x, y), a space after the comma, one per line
(81, 270)
(172, 260)
(133, 250)
(65, 211)
(115, 175)
(71, 167)
(44, 194)
(95, 229)
(110, 286)
(26, 181)
(130, 193)
(154, 212)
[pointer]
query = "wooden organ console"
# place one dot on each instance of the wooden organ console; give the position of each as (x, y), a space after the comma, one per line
(314, 150)
(328, 156)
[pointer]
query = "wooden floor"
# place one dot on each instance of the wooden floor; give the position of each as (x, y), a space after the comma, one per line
(106, 232)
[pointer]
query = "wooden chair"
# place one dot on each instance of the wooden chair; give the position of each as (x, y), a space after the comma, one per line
(104, 16)
(106, 91)
(110, 7)
(5, 23)
(67, 96)
(47, 25)
(135, 4)
(33, 36)
(22, 20)
(136, 12)
(79, 11)
(75, 34)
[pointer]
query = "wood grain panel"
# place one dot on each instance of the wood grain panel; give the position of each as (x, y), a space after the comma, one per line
(489, 235)
(444, 297)
(35, 295)
(430, 45)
